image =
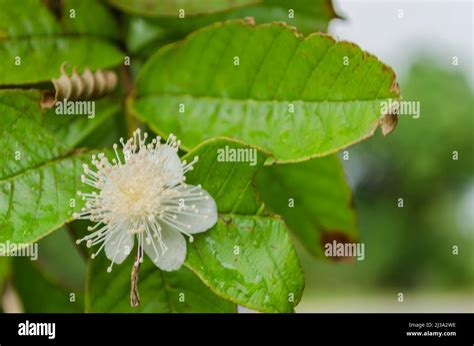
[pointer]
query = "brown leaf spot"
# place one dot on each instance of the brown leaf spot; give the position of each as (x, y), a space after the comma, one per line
(329, 236)
(388, 122)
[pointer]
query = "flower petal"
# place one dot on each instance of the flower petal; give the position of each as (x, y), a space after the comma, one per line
(173, 258)
(119, 246)
(170, 166)
(199, 209)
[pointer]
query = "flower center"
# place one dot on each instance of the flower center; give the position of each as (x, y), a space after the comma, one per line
(133, 191)
(134, 195)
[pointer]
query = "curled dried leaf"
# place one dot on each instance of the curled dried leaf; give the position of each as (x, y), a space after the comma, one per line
(85, 86)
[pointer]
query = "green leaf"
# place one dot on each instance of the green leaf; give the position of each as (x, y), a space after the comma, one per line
(38, 291)
(74, 129)
(247, 257)
(159, 291)
(91, 17)
(36, 202)
(314, 200)
(265, 275)
(146, 34)
(334, 105)
(41, 58)
(71, 269)
(38, 176)
(24, 142)
(31, 19)
(172, 7)
(32, 46)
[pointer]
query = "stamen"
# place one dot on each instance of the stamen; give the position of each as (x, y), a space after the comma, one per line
(135, 197)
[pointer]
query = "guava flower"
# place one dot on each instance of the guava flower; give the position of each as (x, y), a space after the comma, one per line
(142, 195)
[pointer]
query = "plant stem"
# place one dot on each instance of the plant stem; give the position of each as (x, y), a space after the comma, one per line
(134, 296)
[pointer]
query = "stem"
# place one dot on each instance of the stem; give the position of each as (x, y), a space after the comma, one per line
(134, 296)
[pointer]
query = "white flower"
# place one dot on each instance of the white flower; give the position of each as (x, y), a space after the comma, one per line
(143, 195)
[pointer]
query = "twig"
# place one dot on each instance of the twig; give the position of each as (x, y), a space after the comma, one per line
(134, 296)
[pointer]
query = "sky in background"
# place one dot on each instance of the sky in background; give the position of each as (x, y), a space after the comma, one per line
(400, 31)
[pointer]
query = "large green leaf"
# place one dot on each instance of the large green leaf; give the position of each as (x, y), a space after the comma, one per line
(73, 130)
(31, 33)
(247, 257)
(36, 202)
(335, 105)
(38, 175)
(313, 198)
(179, 291)
(265, 275)
(146, 34)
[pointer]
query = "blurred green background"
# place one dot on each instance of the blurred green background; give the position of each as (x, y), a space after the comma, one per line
(409, 250)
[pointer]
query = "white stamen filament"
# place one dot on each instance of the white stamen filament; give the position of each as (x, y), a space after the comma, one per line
(140, 192)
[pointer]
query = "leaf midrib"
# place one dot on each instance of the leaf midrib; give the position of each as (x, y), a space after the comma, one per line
(227, 99)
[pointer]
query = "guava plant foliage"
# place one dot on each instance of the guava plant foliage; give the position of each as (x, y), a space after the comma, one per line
(228, 79)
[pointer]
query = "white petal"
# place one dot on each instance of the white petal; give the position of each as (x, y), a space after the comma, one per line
(119, 246)
(204, 214)
(174, 256)
(171, 166)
